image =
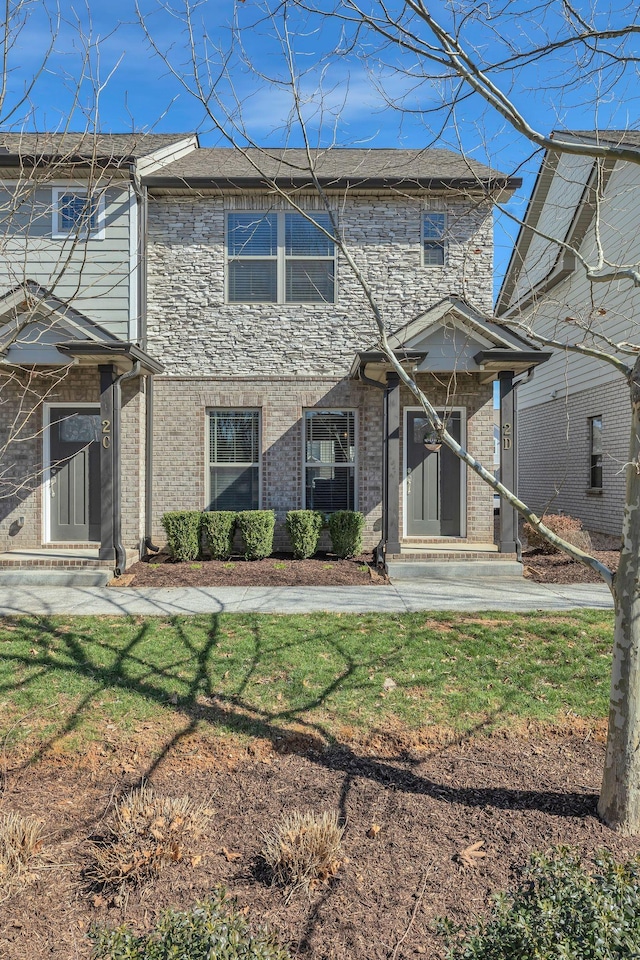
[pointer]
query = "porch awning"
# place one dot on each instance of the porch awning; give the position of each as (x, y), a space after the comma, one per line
(518, 361)
(118, 352)
(364, 357)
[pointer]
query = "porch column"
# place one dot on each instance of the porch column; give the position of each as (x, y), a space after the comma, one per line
(107, 376)
(392, 506)
(509, 542)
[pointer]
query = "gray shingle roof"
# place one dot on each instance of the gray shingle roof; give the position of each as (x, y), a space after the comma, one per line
(227, 166)
(99, 146)
(619, 138)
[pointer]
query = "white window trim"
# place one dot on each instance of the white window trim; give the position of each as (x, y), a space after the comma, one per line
(59, 234)
(423, 239)
(463, 472)
(46, 459)
(305, 463)
(281, 259)
(208, 462)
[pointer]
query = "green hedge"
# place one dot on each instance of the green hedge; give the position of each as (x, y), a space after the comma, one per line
(212, 930)
(345, 530)
(560, 910)
(182, 528)
(218, 530)
(303, 527)
(256, 528)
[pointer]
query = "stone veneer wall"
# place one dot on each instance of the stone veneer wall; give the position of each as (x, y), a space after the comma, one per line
(554, 456)
(22, 462)
(195, 333)
(180, 424)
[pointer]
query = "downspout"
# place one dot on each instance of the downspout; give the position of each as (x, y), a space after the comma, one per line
(379, 551)
(120, 553)
(142, 198)
(148, 468)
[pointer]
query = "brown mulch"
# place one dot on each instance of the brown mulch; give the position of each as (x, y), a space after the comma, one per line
(279, 570)
(431, 803)
(558, 568)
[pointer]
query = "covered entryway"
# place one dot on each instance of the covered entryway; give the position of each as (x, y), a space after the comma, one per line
(74, 473)
(434, 489)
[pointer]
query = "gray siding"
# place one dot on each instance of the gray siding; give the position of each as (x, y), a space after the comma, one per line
(93, 274)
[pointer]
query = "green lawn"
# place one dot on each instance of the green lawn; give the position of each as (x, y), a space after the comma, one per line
(263, 674)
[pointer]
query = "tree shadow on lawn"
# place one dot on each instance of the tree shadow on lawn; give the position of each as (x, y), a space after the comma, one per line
(203, 704)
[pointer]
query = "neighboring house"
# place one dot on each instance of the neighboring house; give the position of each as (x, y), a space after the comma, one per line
(574, 414)
(224, 355)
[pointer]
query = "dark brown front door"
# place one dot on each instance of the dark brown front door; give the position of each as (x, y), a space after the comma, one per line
(74, 489)
(434, 481)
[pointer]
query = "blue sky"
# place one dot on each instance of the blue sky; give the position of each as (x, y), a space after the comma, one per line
(138, 91)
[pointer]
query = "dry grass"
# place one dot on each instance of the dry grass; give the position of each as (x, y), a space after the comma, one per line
(20, 840)
(304, 850)
(147, 832)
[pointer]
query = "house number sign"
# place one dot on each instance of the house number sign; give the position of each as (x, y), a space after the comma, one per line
(106, 434)
(506, 436)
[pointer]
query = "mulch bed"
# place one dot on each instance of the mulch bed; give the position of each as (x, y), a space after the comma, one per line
(279, 570)
(431, 803)
(558, 568)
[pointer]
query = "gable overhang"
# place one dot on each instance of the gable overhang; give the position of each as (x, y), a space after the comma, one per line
(380, 364)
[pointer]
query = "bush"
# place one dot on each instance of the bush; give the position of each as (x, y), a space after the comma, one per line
(345, 530)
(304, 850)
(182, 528)
(559, 910)
(212, 930)
(218, 529)
(569, 528)
(147, 832)
(256, 528)
(303, 527)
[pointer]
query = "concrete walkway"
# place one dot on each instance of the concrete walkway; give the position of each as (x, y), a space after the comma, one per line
(508, 594)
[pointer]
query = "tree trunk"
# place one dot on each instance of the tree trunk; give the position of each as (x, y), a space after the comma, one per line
(619, 804)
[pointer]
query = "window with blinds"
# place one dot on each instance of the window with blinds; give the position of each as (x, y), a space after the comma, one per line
(433, 238)
(330, 460)
(595, 453)
(234, 460)
(279, 258)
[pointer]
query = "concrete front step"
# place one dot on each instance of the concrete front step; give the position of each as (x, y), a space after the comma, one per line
(442, 568)
(55, 576)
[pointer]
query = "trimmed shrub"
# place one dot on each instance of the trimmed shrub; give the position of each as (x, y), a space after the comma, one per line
(218, 529)
(569, 528)
(559, 910)
(256, 528)
(304, 850)
(182, 528)
(303, 527)
(345, 530)
(212, 930)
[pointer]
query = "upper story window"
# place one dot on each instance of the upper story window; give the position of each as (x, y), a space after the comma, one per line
(434, 225)
(76, 213)
(279, 258)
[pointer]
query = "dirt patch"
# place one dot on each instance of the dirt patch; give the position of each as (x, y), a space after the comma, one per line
(558, 568)
(430, 802)
(279, 570)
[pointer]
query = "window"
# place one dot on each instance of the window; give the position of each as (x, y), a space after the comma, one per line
(234, 459)
(330, 453)
(433, 238)
(279, 258)
(76, 213)
(595, 453)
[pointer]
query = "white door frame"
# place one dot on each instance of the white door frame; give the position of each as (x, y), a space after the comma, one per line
(463, 473)
(46, 459)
